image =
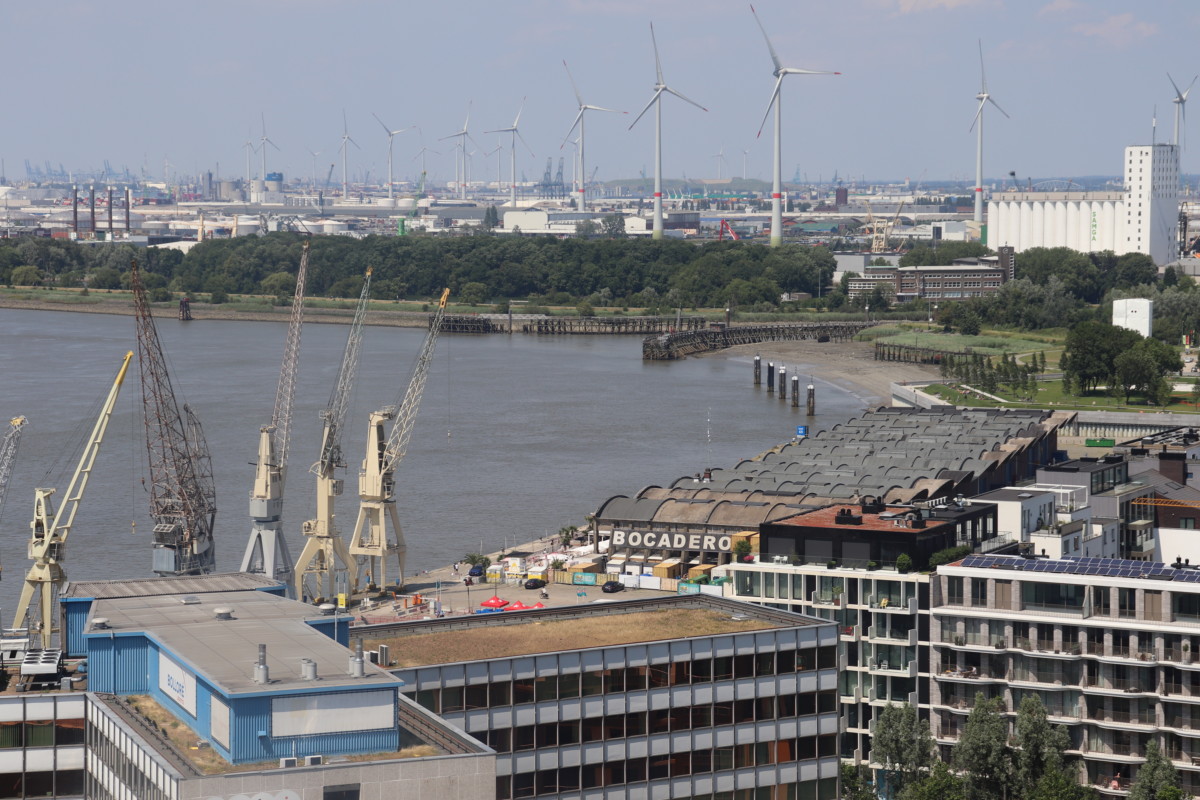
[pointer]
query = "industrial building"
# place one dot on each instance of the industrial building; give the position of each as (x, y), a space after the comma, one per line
(687, 696)
(1136, 314)
(1143, 218)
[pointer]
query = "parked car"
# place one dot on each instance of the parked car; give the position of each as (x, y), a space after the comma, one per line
(535, 583)
(612, 586)
(476, 571)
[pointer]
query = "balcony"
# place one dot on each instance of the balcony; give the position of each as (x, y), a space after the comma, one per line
(884, 634)
(849, 633)
(1114, 686)
(1122, 719)
(899, 669)
(969, 675)
(890, 603)
(1184, 758)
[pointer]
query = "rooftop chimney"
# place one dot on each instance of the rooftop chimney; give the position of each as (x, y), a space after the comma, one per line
(261, 673)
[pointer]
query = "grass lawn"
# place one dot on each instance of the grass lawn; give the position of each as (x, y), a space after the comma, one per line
(1051, 395)
(988, 344)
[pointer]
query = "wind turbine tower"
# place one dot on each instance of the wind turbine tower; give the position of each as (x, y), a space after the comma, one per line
(462, 137)
(264, 140)
(777, 171)
(346, 140)
(660, 87)
(390, 134)
(984, 98)
(516, 134)
(578, 123)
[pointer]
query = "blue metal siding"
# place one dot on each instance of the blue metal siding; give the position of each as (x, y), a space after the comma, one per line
(75, 612)
(279, 590)
(252, 715)
(118, 663)
(336, 628)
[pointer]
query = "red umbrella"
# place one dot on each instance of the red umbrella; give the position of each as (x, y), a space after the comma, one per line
(537, 605)
(494, 602)
(518, 606)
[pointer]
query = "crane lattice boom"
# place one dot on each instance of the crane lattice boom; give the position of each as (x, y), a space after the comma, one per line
(285, 392)
(339, 401)
(8, 455)
(181, 487)
(406, 415)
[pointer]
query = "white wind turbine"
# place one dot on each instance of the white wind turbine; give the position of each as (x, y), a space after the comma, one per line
(462, 137)
(984, 98)
(660, 87)
(1180, 101)
(264, 140)
(346, 140)
(777, 173)
(744, 154)
(250, 148)
(516, 134)
(720, 158)
(314, 154)
(390, 134)
(578, 123)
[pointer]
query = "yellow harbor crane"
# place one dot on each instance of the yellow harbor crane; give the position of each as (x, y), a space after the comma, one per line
(8, 456)
(325, 560)
(377, 480)
(49, 530)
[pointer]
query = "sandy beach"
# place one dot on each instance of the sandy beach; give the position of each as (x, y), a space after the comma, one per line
(848, 365)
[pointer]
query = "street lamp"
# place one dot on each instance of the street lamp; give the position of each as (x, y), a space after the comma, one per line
(932, 312)
(867, 311)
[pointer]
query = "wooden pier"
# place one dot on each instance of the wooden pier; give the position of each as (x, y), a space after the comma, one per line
(541, 325)
(911, 354)
(685, 343)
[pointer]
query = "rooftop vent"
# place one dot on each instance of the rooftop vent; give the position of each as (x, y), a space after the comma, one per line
(223, 612)
(326, 608)
(846, 516)
(262, 673)
(100, 624)
(308, 669)
(190, 600)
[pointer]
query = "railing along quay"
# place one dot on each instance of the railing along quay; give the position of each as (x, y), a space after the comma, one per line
(685, 343)
(569, 326)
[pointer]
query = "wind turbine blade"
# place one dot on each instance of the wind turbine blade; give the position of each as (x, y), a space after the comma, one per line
(345, 126)
(519, 110)
(574, 124)
(685, 99)
(601, 108)
(982, 72)
(657, 61)
(351, 141)
(522, 138)
(1189, 88)
(657, 94)
(1178, 94)
(574, 88)
(472, 140)
(268, 141)
(978, 112)
(798, 71)
(386, 129)
(774, 99)
(774, 55)
(997, 105)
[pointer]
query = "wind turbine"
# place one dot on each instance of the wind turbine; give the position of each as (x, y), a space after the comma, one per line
(744, 154)
(777, 174)
(345, 140)
(390, 134)
(660, 87)
(314, 154)
(250, 148)
(516, 134)
(462, 137)
(1180, 101)
(984, 98)
(578, 123)
(264, 141)
(720, 157)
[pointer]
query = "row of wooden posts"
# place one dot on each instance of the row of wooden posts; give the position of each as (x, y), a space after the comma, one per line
(783, 384)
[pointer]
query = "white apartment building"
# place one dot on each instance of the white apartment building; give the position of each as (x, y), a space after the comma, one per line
(1141, 219)
(1108, 645)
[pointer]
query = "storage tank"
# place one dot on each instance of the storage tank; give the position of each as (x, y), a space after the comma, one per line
(335, 226)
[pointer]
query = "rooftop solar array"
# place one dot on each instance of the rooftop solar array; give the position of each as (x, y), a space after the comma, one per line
(1107, 567)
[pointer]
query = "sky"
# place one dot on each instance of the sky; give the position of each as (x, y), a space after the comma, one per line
(143, 82)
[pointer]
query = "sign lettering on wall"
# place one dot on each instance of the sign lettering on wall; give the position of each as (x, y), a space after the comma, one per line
(177, 683)
(652, 540)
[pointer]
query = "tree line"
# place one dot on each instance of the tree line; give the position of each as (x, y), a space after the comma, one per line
(990, 761)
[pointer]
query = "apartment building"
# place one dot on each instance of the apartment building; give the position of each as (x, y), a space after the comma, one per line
(1108, 645)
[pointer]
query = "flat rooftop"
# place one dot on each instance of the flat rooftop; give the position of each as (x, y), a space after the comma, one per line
(553, 630)
(225, 650)
(184, 584)
(1011, 495)
(885, 522)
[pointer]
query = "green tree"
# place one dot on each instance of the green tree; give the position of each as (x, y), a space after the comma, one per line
(1142, 368)
(939, 784)
(1061, 785)
(982, 754)
(27, 275)
(584, 309)
(903, 745)
(969, 324)
(1090, 353)
(491, 219)
(586, 228)
(855, 784)
(473, 293)
(613, 226)
(1155, 776)
(279, 283)
(1040, 745)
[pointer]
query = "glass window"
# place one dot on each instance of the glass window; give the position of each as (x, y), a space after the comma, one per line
(500, 693)
(476, 697)
(545, 688)
(954, 590)
(979, 592)
(635, 724)
(452, 699)
(702, 670)
(1127, 603)
(747, 583)
(764, 664)
(568, 685)
(592, 684)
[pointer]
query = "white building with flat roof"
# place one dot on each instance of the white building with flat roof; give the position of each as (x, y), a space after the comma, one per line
(1134, 313)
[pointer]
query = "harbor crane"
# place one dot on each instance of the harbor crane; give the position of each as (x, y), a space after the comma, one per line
(182, 493)
(267, 550)
(8, 456)
(325, 560)
(377, 481)
(49, 530)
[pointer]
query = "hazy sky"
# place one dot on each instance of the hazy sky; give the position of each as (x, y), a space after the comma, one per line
(137, 81)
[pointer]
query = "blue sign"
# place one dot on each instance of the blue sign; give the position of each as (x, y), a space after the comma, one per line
(583, 578)
(802, 430)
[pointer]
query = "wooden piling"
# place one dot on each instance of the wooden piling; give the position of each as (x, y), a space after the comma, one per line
(782, 382)
(758, 370)
(795, 391)
(812, 400)
(770, 377)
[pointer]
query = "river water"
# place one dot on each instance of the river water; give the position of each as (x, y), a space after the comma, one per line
(516, 436)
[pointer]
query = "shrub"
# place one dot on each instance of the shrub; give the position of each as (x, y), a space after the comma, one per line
(904, 562)
(949, 555)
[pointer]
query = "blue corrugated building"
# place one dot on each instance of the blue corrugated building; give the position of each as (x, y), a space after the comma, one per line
(257, 675)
